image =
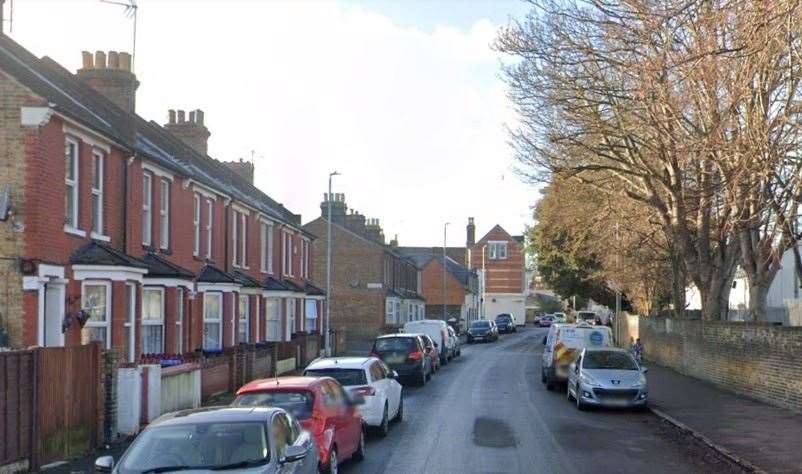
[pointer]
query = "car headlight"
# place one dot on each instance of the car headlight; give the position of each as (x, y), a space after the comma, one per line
(641, 382)
(588, 380)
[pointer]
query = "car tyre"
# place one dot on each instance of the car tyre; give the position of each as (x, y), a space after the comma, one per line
(384, 427)
(549, 382)
(422, 378)
(399, 415)
(334, 466)
(568, 392)
(579, 404)
(542, 375)
(359, 455)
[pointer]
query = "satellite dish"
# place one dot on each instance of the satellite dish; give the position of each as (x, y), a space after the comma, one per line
(5, 203)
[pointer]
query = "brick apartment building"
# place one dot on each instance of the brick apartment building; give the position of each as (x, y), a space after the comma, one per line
(375, 289)
(462, 296)
(124, 231)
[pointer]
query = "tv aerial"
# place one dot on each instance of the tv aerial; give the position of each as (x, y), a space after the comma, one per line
(130, 9)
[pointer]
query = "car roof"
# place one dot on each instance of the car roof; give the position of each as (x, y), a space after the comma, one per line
(280, 383)
(215, 414)
(606, 349)
(400, 334)
(426, 321)
(341, 362)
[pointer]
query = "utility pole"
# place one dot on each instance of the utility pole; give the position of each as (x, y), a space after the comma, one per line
(328, 267)
(445, 229)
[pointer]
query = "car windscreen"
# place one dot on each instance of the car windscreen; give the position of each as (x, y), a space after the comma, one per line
(299, 403)
(344, 376)
(480, 325)
(609, 360)
(394, 344)
(201, 446)
(503, 318)
(587, 316)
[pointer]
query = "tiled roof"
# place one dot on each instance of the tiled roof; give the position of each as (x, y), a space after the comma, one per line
(160, 267)
(423, 255)
(210, 274)
(292, 286)
(274, 284)
(312, 290)
(69, 95)
(97, 253)
(245, 280)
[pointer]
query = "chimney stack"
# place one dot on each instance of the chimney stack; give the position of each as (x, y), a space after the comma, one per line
(374, 231)
(338, 207)
(471, 231)
(192, 132)
(112, 78)
(242, 168)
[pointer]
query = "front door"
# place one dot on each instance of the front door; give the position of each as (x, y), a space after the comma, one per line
(53, 314)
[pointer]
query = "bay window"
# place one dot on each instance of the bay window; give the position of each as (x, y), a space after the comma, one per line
(147, 213)
(97, 192)
(95, 300)
(164, 214)
(273, 319)
(244, 318)
(212, 321)
(152, 320)
(71, 183)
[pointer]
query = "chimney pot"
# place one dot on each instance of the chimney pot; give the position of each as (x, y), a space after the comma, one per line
(181, 116)
(199, 116)
(100, 60)
(125, 62)
(171, 116)
(88, 61)
(114, 60)
(192, 118)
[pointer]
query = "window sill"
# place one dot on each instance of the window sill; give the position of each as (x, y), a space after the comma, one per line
(74, 231)
(166, 251)
(101, 237)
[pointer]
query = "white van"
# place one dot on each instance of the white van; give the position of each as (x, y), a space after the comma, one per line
(563, 344)
(438, 331)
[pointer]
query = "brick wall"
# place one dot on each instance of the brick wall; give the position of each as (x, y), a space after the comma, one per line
(757, 360)
(505, 275)
(432, 287)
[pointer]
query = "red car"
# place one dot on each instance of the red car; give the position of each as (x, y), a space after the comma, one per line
(321, 406)
(431, 351)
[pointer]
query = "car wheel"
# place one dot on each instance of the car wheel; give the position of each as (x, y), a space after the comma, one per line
(359, 455)
(579, 404)
(422, 378)
(399, 415)
(384, 427)
(568, 392)
(334, 466)
(549, 382)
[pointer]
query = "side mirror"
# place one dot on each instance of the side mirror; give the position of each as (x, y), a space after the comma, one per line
(644, 369)
(104, 464)
(436, 345)
(293, 453)
(393, 375)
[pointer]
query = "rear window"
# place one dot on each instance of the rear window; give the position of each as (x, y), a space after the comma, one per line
(344, 376)
(394, 344)
(609, 360)
(480, 324)
(585, 316)
(297, 403)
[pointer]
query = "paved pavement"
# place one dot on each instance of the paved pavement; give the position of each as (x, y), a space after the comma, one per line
(487, 412)
(764, 435)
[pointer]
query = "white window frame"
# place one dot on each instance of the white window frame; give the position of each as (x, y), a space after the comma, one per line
(246, 321)
(290, 312)
(257, 318)
(244, 229)
(147, 208)
(153, 322)
(98, 167)
(164, 213)
(309, 303)
(389, 311)
(273, 319)
(209, 219)
(266, 232)
(305, 247)
(179, 320)
(218, 320)
(95, 324)
(234, 243)
(72, 183)
(130, 320)
(495, 249)
(286, 252)
(196, 212)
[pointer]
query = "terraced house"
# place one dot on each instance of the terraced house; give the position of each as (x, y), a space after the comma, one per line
(119, 230)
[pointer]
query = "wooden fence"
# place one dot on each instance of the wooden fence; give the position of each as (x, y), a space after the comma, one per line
(51, 403)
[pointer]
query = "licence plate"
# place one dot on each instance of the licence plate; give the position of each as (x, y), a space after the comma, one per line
(395, 359)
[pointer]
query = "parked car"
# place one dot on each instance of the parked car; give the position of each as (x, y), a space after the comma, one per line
(455, 324)
(321, 406)
(607, 376)
(520, 321)
(482, 330)
(370, 378)
(406, 354)
(437, 330)
(536, 320)
(587, 317)
(546, 321)
(505, 323)
(259, 440)
(432, 352)
(452, 333)
(560, 318)
(562, 345)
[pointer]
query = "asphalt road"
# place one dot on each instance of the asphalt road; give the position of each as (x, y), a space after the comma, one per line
(487, 412)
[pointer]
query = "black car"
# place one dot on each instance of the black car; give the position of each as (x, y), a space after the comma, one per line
(505, 323)
(406, 354)
(482, 330)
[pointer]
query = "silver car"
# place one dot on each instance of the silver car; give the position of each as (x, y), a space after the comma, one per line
(607, 376)
(254, 440)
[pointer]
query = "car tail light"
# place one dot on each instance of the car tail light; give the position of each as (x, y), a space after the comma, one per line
(366, 391)
(417, 355)
(373, 354)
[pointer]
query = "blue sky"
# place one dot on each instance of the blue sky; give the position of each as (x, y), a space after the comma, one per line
(403, 98)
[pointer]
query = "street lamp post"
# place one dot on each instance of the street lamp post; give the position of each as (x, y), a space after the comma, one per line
(328, 268)
(445, 229)
(484, 284)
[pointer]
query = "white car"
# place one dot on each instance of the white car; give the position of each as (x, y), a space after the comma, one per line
(371, 378)
(438, 331)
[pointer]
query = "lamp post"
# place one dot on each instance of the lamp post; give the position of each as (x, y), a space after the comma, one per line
(445, 229)
(328, 268)
(484, 284)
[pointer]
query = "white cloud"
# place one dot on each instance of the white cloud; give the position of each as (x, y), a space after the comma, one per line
(412, 118)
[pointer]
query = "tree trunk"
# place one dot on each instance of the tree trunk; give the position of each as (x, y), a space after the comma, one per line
(679, 282)
(758, 300)
(716, 298)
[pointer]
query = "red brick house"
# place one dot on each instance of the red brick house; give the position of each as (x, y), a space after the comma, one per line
(126, 232)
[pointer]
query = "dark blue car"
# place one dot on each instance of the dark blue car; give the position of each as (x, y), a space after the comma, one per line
(505, 323)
